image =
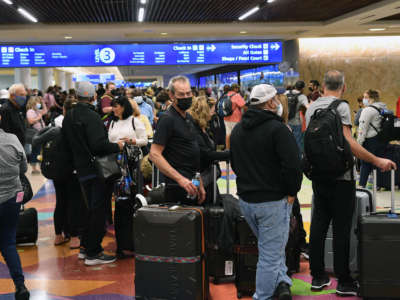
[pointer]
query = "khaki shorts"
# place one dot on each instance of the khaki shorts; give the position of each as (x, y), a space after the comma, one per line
(229, 127)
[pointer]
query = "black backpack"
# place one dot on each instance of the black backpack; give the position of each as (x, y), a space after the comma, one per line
(327, 154)
(293, 100)
(224, 105)
(56, 159)
(389, 132)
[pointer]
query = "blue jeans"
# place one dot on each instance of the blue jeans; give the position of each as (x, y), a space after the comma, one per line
(9, 213)
(299, 137)
(270, 223)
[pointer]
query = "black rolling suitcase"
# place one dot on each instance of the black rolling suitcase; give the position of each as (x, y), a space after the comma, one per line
(379, 253)
(246, 253)
(27, 227)
(170, 253)
(392, 152)
(220, 260)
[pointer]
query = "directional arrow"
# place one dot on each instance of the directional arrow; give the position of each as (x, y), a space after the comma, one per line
(211, 48)
(275, 46)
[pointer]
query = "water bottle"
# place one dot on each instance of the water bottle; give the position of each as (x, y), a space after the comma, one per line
(196, 183)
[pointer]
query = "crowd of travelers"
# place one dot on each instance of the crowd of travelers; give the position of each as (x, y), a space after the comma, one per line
(182, 131)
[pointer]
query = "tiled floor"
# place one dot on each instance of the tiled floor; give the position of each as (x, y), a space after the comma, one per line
(55, 272)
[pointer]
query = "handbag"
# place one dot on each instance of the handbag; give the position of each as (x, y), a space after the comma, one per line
(27, 188)
(208, 175)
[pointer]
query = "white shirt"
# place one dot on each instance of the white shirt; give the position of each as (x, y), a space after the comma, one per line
(122, 129)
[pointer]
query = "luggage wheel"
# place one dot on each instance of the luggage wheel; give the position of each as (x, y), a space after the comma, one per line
(239, 295)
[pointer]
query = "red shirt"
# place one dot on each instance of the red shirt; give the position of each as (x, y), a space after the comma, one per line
(237, 105)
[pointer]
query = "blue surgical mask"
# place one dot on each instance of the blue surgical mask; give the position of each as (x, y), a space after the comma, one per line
(20, 100)
(139, 100)
(365, 101)
(39, 106)
(279, 110)
(94, 103)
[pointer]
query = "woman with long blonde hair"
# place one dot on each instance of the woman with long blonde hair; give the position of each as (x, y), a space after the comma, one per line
(201, 111)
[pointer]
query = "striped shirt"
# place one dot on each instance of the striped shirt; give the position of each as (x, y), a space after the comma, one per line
(12, 164)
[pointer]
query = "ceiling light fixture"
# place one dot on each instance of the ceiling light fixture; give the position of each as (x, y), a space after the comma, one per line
(377, 29)
(141, 14)
(270, 1)
(249, 13)
(143, 1)
(27, 15)
(8, 2)
(67, 37)
(164, 33)
(243, 32)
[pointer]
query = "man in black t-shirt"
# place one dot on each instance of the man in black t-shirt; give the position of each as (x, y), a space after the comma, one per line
(175, 150)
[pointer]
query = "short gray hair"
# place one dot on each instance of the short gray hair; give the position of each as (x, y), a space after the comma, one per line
(16, 86)
(334, 80)
(174, 79)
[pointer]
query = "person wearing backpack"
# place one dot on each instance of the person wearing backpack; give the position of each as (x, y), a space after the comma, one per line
(369, 129)
(297, 101)
(237, 103)
(329, 148)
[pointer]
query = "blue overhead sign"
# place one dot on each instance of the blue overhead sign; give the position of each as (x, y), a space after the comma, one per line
(139, 54)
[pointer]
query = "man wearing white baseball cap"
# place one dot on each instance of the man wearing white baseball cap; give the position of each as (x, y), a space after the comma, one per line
(266, 161)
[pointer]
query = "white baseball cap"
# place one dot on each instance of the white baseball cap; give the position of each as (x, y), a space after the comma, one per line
(4, 94)
(262, 93)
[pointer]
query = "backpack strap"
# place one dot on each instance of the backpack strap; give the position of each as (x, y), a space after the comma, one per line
(380, 112)
(335, 104)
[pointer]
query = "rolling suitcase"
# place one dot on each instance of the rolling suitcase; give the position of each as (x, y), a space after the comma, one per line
(379, 250)
(27, 227)
(220, 261)
(170, 253)
(392, 152)
(246, 253)
(363, 206)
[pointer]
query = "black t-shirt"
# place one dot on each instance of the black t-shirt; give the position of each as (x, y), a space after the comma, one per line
(178, 135)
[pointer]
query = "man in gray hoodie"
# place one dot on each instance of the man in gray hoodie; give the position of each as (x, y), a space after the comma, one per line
(369, 127)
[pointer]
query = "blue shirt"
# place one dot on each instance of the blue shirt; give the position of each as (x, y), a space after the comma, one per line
(145, 109)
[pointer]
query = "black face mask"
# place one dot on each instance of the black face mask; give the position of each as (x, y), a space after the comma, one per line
(184, 103)
(311, 89)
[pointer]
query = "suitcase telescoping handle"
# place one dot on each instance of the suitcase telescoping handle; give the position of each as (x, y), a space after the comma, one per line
(215, 164)
(392, 190)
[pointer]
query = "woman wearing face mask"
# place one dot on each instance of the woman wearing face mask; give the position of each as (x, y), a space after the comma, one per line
(201, 111)
(35, 110)
(369, 126)
(132, 131)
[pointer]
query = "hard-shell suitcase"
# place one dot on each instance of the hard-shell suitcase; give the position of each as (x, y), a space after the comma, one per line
(220, 261)
(363, 206)
(379, 253)
(170, 253)
(27, 227)
(392, 152)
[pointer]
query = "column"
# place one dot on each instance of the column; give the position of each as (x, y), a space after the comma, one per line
(23, 75)
(69, 83)
(45, 78)
(61, 80)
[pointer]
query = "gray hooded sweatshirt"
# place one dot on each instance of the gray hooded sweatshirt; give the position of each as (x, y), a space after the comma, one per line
(370, 122)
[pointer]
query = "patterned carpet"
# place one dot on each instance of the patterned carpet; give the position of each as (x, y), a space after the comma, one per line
(56, 273)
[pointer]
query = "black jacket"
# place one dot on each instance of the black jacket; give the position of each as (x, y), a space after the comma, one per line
(208, 153)
(13, 121)
(82, 121)
(265, 158)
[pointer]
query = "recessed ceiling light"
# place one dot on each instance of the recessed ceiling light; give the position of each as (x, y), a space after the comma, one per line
(143, 1)
(164, 33)
(9, 2)
(67, 37)
(141, 14)
(249, 13)
(270, 1)
(243, 32)
(377, 29)
(27, 15)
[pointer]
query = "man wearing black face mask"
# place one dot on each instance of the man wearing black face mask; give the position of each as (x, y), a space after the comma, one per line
(13, 120)
(105, 107)
(175, 150)
(313, 87)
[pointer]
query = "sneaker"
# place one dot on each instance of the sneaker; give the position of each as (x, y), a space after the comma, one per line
(82, 253)
(282, 292)
(21, 293)
(305, 252)
(99, 259)
(318, 284)
(347, 288)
